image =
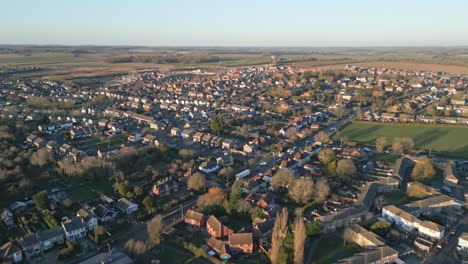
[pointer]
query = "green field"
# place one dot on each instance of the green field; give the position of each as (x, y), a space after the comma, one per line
(444, 140)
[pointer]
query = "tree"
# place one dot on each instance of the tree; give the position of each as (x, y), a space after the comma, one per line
(348, 235)
(299, 239)
(98, 232)
(148, 204)
(322, 190)
(214, 197)
(137, 190)
(244, 207)
(417, 190)
(121, 187)
(282, 178)
(135, 248)
(217, 124)
(345, 169)
(423, 171)
(380, 143)
(402, 145)
(234, 197)
(226, 172)
(67, 203)
(301, 190)
(313, 228)
(41, 201)
(292, 135)
(40, 157)
(380, 228)
(196, 182)
(154, 229)
(326, 156)
(187, 154)
(280, 230)
(322, 137)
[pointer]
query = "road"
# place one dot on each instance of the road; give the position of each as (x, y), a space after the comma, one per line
(448, 252)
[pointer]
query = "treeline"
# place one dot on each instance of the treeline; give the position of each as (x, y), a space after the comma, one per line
(168, 59)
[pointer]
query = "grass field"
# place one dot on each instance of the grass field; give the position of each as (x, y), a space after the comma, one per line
(331, 249)
(447, 141)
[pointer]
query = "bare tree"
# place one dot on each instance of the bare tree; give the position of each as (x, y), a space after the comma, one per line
(154, 229)
(226, 172)
(280, 229)
(196, 182)
(322, 190)
(214, 196)
(346, 169)
(348, 235)
(40, 157)
(301, 190)
(322, 137)
(380, 143)
(299, 238)
(282, 178)
(326, 156)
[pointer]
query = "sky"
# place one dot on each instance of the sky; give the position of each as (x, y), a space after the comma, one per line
(268, 23)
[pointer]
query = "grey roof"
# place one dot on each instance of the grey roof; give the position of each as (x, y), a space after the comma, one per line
(73, 224)
(50, 233)
(117, 257)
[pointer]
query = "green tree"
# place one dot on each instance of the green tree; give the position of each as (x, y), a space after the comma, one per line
(148, 204)
(137, 190)
(41, 201)
(326, 156)
(313, 228)
(217, 124)
(423, 171)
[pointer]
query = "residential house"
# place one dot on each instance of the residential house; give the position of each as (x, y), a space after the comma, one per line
(463, 242)
(379, 255)
(241, 243)
(228, 144)
(450, 174)
(194, 218)
(103, 213)
(7, 217)
(31, 245)
(51, 237)
(409, 223)
(126, 207)
(74, 228)
(10, 253)
(89, 218)
(197, 137)
(364, 238)
(209, 166)
(175, 131)
(216, 229)
(219, 247)
(434, 204)
(165, 187)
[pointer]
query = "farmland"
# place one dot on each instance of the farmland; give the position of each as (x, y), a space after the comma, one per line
(447, 141)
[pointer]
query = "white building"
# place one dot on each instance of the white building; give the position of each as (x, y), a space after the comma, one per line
(463, 242)
(409, 223)
(74, 228)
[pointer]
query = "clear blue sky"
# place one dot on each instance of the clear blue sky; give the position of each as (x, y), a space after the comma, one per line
(235, 22)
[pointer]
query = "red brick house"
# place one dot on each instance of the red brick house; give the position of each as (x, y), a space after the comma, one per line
(194, 218)
(216, 229)
(241, 243)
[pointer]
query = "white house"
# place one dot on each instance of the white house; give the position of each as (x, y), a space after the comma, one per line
(74, 228)
(409, 223)
(463, 242)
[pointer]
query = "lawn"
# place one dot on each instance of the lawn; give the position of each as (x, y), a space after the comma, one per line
(396, 198)
(444, 140)
(384, 157)
(331, 249)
